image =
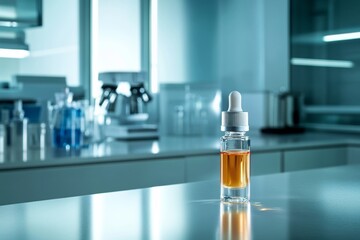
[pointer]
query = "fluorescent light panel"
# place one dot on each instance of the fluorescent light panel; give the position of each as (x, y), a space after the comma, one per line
(13, 53)
(322, 62)
(341, 37)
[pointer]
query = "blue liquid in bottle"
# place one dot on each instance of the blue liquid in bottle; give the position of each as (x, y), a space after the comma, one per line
(67, 133)
(66, 138)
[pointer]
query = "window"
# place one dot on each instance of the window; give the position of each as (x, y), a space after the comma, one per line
(325, 60)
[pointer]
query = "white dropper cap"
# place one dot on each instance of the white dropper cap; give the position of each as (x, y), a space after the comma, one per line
(234, 119)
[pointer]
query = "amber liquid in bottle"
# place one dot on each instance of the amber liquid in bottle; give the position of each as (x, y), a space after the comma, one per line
(235, 169)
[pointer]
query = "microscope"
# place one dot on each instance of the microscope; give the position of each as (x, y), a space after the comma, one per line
(124, 100)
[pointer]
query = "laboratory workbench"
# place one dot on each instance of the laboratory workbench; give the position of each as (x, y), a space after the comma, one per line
(122, 165)
(313, 204)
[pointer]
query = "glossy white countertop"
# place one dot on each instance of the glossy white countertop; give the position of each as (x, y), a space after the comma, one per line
(165, 147)
(313, 204)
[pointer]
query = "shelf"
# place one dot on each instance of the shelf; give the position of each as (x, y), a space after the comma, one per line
(332, 109)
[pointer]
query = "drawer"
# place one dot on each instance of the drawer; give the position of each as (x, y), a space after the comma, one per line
(314, 158)
(265, 163)
(58, 182)
(199, 168)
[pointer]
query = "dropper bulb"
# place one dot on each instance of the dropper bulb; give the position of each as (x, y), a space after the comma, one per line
(234, 119)
(235, 102)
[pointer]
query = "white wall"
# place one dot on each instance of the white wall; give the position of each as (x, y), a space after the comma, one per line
(254, 50)
(276, 44)
(119, 35)
(240, 50)
(55, 45)
(172, 54)
(202, 40)
(187, 41)
(254, 45)
(7, 68)
(239, 44)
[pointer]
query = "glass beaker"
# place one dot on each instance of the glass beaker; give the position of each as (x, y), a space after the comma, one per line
(66, 120)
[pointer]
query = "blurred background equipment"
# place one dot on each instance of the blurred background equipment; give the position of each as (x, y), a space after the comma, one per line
(124, 100)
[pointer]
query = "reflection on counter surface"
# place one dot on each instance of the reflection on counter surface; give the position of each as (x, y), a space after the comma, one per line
(235, 221)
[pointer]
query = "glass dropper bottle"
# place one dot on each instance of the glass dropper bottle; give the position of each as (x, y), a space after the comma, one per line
(235, 152)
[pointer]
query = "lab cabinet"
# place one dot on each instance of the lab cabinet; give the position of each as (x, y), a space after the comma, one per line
(265, 163)
(314, 158)
(353, 154)
(207, 167)
(56, 182)
(199, 168)
(38, 183)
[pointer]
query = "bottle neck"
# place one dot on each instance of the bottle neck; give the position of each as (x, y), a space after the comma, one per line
(235, 141)
(234, 134)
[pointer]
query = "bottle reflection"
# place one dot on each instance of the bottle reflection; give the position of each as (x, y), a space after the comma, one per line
(235, 221)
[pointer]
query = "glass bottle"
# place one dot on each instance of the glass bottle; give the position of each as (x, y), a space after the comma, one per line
(235, 153)
(18, 128)
(67, 122)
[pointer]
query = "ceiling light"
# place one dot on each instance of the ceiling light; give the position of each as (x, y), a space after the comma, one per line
(13, 53)
(341, 37)
(12, 45)
(322, 62)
